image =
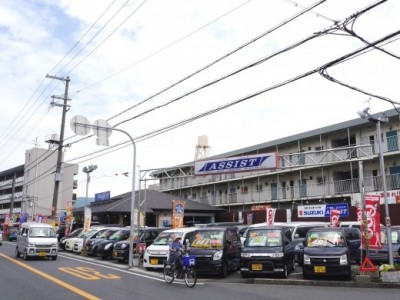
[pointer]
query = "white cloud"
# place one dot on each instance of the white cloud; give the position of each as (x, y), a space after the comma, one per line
(162, 43)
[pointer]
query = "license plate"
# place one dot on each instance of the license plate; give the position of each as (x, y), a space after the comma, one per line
(42, 254)
(256, 267)
(154, 261)
(319, 269)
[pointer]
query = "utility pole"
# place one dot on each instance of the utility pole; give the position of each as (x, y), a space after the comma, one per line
(58, 175)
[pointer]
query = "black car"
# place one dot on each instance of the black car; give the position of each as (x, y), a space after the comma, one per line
(92, 243)
(75, 233)
(217, 250)
(381, 256)
(145, 236)
(326, 253)
(267, 250)
(105, 247)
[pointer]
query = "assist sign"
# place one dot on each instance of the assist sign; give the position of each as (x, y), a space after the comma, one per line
(322, 210)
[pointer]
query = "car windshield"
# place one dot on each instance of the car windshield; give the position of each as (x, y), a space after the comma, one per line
(120, 235)
(165, 238)
(208, 239)
(106, 234)
(395, 236)
(263, 238)
(42, 232)
(325, 239)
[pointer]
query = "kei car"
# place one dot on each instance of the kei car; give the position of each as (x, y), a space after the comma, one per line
(217, 250)
(326, 253)
(267, 250)
(105, 247)
(145, 236)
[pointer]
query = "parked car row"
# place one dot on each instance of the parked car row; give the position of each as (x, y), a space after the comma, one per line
(262, 250)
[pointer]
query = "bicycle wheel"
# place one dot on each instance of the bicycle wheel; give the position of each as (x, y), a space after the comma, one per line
(168, 273)
(190, 277)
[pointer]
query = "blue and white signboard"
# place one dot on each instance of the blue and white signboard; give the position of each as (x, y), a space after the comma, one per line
(322, 210)
(102, 196)
(236, 164)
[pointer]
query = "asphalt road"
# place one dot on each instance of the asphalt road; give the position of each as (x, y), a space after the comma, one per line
(74, 277)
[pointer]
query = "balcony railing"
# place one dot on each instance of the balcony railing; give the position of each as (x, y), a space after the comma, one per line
(299, 192)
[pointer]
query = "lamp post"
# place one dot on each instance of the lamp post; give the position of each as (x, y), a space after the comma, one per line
(378, 121)
(80, 125)
(88, 170)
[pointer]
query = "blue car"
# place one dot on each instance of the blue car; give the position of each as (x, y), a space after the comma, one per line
(13, 233)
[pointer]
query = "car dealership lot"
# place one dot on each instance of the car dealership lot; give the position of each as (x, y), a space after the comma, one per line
(294, 278)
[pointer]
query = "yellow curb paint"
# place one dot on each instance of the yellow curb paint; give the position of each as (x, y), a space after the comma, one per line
(53, 279)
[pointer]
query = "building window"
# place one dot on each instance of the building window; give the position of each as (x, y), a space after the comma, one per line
(244, 189)
(259, 187)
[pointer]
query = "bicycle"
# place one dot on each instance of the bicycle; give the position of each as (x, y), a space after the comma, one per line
(188, 273)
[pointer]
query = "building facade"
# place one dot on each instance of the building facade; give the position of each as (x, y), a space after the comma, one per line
(333, 164)
(29, 188)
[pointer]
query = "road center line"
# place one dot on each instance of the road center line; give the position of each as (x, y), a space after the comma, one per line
(53, 279)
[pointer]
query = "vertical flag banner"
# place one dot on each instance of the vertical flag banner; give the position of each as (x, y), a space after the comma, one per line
(178, 210)
(373, 222)
(359, 214)
(334, 221)
(249, 218)
(87, 218)
(270, 216)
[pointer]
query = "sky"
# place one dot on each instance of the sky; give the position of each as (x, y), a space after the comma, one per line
(144, 66)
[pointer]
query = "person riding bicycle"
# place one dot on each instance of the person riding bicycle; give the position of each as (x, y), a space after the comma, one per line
(175, 251)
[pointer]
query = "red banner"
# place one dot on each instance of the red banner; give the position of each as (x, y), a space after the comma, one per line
(270, 216)
(335, 213)
(373, 231)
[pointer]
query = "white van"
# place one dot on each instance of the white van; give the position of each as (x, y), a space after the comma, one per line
(157, 252)
(36, 240)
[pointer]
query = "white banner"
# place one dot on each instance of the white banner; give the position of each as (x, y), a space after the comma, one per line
(87, 219)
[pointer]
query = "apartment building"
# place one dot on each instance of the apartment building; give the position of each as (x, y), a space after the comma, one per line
(328, 165)
(29, 188)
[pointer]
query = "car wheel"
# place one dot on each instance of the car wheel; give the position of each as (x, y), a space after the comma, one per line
(224, 269)
(26, 257)
(54, 257)
(306, 276)
(17, 254)
(149, 269)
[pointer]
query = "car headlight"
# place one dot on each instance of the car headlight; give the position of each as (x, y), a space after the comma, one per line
(218, 255)
(343, 259)
(106, 247)
(246, 254)
(31, 245)
(123, 246)
(297, 248)
(278, 254)
(306, 259)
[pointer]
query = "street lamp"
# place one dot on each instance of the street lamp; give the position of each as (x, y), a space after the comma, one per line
(81, 126)
(88, 170)
(381, 119)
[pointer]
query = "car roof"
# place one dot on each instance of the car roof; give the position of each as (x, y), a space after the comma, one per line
(185, 229)
(327, 229)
